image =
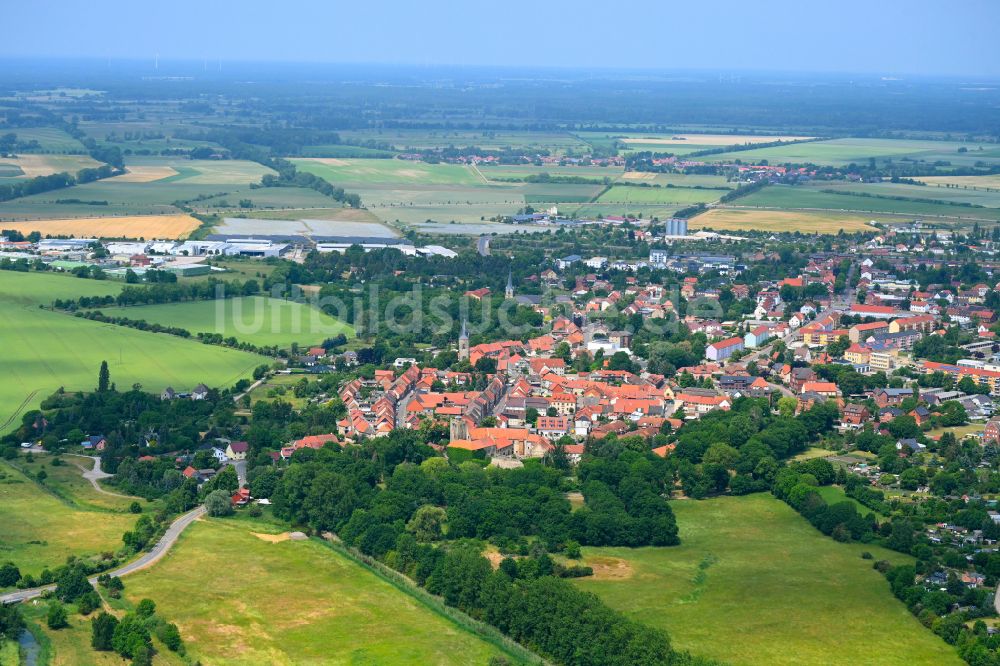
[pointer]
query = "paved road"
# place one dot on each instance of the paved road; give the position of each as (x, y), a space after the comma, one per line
(97, 474)
(165, 543)
(483, 246)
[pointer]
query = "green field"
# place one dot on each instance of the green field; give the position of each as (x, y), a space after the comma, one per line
(45, 350)
(206, 172)
(684, 196)
(66, 482)
(239, 599)
(395, 172)
(404, 139)
(753, 583)
(835, 494)
(800, 197)
(52, 140)
(41, 530)
(980, 197)
(255, 319)
(840, 152)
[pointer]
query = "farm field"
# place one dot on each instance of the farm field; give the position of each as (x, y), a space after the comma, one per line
(45, 165)
(51, 139)
(648, 211)
(525, 170)
(839, 152)
(659, 195)
(395, 172)
(788, 196)
(963, 181)
(255, 319)
(46, 350)
(753, 583)
(204, 172)
(677, 179)
(731, 219)
(40, 530)
(293, 602)
(980, 197)
(126, 226)
(262, 198)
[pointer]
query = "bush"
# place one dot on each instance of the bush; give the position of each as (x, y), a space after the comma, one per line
(170, 635)
(57, 617)
(135, 507)
(145, 608)
(89, 603)
(9, 575)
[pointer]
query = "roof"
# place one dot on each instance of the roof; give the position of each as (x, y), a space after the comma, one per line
(723, 344)
(239, 447)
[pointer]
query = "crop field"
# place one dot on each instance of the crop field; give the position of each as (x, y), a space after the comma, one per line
(754, 583)
(964, 182)
(126, 226)
(40, 530)
(975, 197)
(205, 172)
(51, 139)
(263, 198)
(683, 144)
(339, 225)
(394, 172)
(45, 350)
(839, 152)
(293, 602)
(798, 197)
(659, 195)
(499, 171)
(810, 222)
(254, 319)
(677, 179)
(31, 166)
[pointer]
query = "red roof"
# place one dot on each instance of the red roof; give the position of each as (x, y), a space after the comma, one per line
(723, 344)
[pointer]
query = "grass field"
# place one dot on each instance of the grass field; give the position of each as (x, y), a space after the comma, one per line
(753, 583)
(45, 350)
(975, 197)
(798, 197)
(67, 483)
(126, 226)
(255, 319)
(292, 602)
(51, 139)
(395, 172)
(659, 195)
(41, 530)
(204, 172)
(835, 494)
(839, 152)
(769, 220)
(403, 139)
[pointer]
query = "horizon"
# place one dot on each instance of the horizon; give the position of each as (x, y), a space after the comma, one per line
(857, 38)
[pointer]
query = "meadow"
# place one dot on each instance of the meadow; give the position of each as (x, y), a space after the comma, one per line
(45, 350)
(66, 482)
(255, 319)
(292, 602)
(813, 222)
(40, 529)
(753, 583)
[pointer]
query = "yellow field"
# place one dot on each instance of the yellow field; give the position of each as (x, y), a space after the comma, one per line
(770, 220)
(46, 165)
(144, 174)
(638, 175)
(711, 139)
(992, 181)
(129, 226)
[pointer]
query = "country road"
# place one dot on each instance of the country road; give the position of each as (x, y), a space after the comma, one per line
(483, 246)
(96, 474)
(165, 543)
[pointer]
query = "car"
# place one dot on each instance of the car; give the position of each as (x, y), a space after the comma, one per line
(26, 445)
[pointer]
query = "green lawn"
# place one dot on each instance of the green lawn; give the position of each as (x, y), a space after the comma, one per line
(41, 530)
(255, 319)
(773, 590)
(239, 599)
(45, 350)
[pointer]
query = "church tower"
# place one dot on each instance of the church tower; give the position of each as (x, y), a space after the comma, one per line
(509, 291)
(463, 344)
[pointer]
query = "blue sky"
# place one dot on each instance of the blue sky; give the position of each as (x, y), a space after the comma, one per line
(930, 37)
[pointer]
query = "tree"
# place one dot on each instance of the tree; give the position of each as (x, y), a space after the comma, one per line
(102, 629)
(72, 584)
(219, 503)
(170, 635)
(130, 636)
(103, 378)
(11, 622)
(427, 523)
(57, 617)
(787, 406)
(9, 574)
(145, 608)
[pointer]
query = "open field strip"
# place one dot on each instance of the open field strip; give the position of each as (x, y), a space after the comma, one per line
(40, 530)
(754, 583)
(45, 350)
(293, 602)
(255, 319)
(658, 195)
(144, 174)
(45, 165)
(732, 219)
(992, 181)
(713, 140)
(396, 172)
(126, 226)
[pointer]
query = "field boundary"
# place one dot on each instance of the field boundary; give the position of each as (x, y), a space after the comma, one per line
(487, 632)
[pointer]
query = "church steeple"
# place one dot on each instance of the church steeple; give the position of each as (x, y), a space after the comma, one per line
(463, 343)
(509, 291)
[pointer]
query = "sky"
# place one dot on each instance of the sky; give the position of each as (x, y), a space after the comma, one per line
(885, 37)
